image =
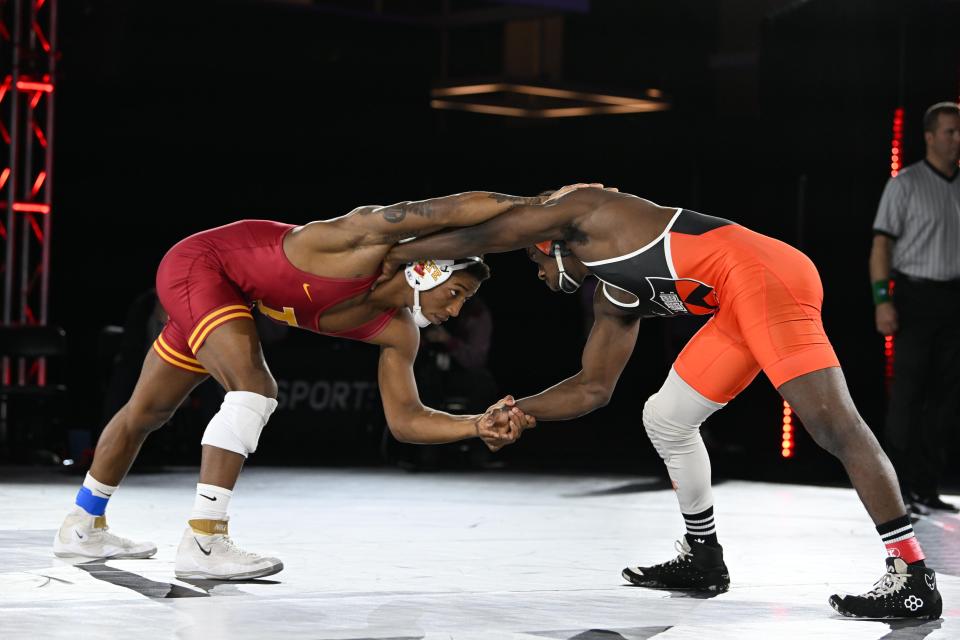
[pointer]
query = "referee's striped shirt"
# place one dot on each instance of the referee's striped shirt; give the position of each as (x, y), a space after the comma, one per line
(920, 210)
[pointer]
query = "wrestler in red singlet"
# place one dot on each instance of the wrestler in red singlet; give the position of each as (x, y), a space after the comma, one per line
(316, 276)
(218, 275)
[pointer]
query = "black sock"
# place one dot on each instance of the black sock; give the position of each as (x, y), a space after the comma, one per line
(701, 528)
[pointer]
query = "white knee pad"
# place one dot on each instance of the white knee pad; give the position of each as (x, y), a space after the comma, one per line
(672, 418)
(675, 413)
(238, 424)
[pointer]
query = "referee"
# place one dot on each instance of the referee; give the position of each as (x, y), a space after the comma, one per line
(917, 243)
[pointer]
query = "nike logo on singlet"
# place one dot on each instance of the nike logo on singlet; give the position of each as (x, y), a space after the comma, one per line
(306, 290)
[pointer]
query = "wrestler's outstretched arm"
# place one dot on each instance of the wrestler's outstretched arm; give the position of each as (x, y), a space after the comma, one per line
(605, 355)
(410, 421)
(378, 225)
(520, 226)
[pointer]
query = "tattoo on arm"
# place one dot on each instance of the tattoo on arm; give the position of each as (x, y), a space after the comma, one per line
(431, 211)
(398, 212)
(502, 197)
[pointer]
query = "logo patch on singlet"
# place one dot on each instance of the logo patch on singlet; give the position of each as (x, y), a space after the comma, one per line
(682, 297)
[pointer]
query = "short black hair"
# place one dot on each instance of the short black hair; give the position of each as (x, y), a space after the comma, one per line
(932, 116)
(479, 270)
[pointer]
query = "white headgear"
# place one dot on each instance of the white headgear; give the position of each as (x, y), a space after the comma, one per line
(428, 274)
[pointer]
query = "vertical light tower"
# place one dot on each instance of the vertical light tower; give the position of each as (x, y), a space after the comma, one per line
(28, 57)
(896, 163)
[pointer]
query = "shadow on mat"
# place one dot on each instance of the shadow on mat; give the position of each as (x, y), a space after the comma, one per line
(645, 486)
(911, 629)
(163, 590)
(691, 594)
(637, 633)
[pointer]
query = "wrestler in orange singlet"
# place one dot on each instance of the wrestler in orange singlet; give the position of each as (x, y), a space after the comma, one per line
(765, 299)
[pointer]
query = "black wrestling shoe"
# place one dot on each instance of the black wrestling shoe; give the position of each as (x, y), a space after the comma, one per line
(902, 592)
(933, 502)
(698, 567)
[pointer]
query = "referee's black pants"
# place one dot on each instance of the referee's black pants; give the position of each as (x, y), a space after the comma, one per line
(923, 416)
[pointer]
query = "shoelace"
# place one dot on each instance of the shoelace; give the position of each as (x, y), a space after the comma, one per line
(227, 540)
(112, 538)
(684, 553)
(890, 582)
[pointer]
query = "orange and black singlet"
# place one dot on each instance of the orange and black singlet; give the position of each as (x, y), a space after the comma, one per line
(764, 296)
(650, 273)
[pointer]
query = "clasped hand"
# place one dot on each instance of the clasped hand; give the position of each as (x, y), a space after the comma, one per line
(503, 423)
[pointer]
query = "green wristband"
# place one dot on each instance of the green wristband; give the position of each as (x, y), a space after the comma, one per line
(881, 291)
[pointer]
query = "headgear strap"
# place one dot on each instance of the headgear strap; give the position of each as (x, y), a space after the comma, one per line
(559, 249)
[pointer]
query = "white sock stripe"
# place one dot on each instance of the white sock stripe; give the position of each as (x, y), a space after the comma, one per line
(897, 532)
(905, 536)
(211, 502)
(703, 533)
(689, 521)
(98, 488)
(701, 527)
(212, 488)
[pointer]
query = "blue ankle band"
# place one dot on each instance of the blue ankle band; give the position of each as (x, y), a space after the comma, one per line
(90, 503)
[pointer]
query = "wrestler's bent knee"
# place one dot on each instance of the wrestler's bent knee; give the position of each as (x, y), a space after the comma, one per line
(238, 424)
(673, 415)
(260, 382)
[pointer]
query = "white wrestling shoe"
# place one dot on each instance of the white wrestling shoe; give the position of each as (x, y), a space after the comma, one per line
(85, 536)
(216, 557)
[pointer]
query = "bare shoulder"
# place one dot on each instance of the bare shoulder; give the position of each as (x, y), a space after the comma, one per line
(325, 235)
(619, 200)
(584, 200)
(614, 223)
(601, 201)
(632, 215)
(332, 248)
(401, 334)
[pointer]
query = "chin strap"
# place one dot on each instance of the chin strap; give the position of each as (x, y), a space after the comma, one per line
(567, 284)
(418, 317)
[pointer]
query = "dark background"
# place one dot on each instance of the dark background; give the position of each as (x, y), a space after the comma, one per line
(177, 116)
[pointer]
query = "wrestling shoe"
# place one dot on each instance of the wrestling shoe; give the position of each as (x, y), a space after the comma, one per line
(85, 536)
(902, 592)
(699, 567)
(215, 556)
(932, 501)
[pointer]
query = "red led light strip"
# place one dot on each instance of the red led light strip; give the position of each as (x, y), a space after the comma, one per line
(896, 162)
(787, 442)
(896, 146)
